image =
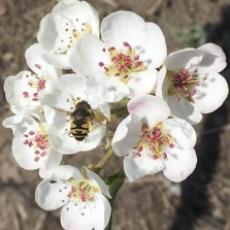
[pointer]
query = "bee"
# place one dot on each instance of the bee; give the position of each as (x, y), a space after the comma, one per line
(81, 119)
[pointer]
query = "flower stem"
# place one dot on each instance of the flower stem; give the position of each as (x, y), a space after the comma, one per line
(100, 165)
(115, 182)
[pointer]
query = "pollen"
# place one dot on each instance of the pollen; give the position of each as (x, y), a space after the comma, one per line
(38, 141)
(156, 139)
(123, 63)
(183, 84)
(83, 190)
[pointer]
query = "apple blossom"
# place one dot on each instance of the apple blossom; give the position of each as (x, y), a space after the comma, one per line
(31, 146)
(75, 89)
(126, 59)
(25, 91)
(152, 141)
(61, 29)
(192, 85)
(82, 198)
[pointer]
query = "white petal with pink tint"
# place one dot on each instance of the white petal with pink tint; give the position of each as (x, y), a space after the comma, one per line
(149, 108)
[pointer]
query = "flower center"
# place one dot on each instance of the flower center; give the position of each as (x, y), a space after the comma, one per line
(36, 85)
(38, 141)
(83, 190)
(156, 139)
(124, 63)
(183, 84)
(73, 32)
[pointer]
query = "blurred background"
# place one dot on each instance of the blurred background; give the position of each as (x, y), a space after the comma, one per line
(200, 203)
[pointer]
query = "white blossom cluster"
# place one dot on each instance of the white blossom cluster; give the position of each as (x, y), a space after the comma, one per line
(80, 68)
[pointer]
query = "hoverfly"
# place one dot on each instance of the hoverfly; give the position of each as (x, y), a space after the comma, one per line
(81, 119)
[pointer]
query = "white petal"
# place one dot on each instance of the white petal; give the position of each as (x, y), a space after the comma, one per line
(104, 188)
(35, 60)
(114, 90)
(180, 163)
(185, 58)
(150, 108)
(52, 194)
(183, 133)
(47, 33)
(154, 45)
(28, 154)
(214, 58)
(142, 83)
(123, 26)
(87, 55)
(85, 215)
(66, 172)
(53, 160)
(138, 166)
(126, 135)
(212, 93)
(66, 144)
(160, 82)
(184, 109)
(13, 122)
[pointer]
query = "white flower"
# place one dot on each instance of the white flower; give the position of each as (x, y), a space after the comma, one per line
(126, 59)
(79, 116)
(61, 29)
(192, 84)
(152, 141)
(82, 198)
(31, 146)
(25, 91)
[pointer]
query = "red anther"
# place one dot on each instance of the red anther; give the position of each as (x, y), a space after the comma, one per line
(38, 66)
(36, 159)
(171, 145)
(26, 142)
(35, 94)
(165, 155)
(101, 64)
(41, 84)
(127, 44)
(25, 94)
(31, 132)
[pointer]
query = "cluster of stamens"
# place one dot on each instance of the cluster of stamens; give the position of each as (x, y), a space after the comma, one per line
(38, 141)
(82, 190)
(35, 83)
(72, 33)
(183, 84)
(124, 63)
(156, 139)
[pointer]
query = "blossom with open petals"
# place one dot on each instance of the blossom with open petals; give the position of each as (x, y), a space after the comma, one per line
(192, 85)
(78, 116)
(126, 58)
(82, 198)
(25, 91)
(31, 146)
(152, 141)
(61, 29)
